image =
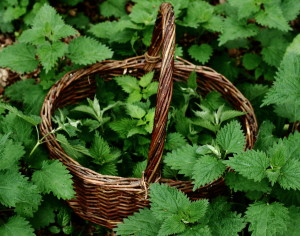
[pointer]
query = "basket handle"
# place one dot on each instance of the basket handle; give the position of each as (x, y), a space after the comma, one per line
(163, 40)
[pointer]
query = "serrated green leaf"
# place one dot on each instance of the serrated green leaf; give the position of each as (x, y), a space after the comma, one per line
(10, 152)
(32, 100)
(122, 127)
(290, 9)
(231, 138)
(272, 17)
(193, 18)
(238, 182)
(289, 177)
(267, 218)
(273, 53)
(146, 79)
(32, 119)
(265, 138)
(167, 201)
(16, 225)
(293, 227)
(109, 168)
(128, 83)
(222, 221)
(202, 230)
(206, 170)
(230, 114)
(50, 24)
(182, 159)
(251, 61)
(19, 57)
(30, 200)
(201, 53)
(135, 111)
(144, 13)
(174, 141)
(114, 8)
(250, 164)
(142, 223)
(54, 177)
(99, 149)
(171, 225)
(85, 50)
(150, 90)
(197, 210)
(75, 151)
(234, 29)
(246, 8)
(49, 53)
(139, 168)
(44, 216)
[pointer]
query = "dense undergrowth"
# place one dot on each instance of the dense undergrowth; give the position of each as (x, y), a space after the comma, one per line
(254, 43)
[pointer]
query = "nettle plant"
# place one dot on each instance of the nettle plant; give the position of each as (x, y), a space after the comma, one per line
(253, 43)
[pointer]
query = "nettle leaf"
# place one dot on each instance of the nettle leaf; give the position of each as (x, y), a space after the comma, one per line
(245, 8)
(201, 53)
(206, 170)
(123, 126)
(231, 137)
(142, 223)
(150, 90)
(44, 216)
(290, 9)
(272, 17)
(284, 91)
(54, 177)
(49, 53)
(234, 29)
(251, 61)
(273, 53)
(182, 159)
(250, 164)
(135, 111)
(293, 228)
(114, 8)
(289, 177)
(76, 151)
(32, 101)
(222, 221)
(128, 83)
(230, 114)
(49, 24)
(237, 182)
(29, 201)
(85, 50)
(265, 138)
(172, 225)
(10, 152)
(199, 229)
(174, 141)
(167, 201)
(16, 225)
(146, 79)
(139, 168)
(144, 13)
(193, 18)
(19, 57)
(267, 218)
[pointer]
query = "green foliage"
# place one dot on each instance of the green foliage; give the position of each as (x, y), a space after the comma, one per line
(19, 57)
(252, 43)
(84, 51)
(250, 164)
(231, 138)
(267, 219)
(16, 225)
(54, 177)
(201, 53)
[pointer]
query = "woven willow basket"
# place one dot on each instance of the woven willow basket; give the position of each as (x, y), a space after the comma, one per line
(106, 200)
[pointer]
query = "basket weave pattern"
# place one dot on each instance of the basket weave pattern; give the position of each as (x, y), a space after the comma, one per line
(104, 199)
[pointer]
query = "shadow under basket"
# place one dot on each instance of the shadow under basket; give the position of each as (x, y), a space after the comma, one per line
(106, 200)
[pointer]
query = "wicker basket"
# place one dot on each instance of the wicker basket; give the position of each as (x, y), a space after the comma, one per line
(106, 200)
